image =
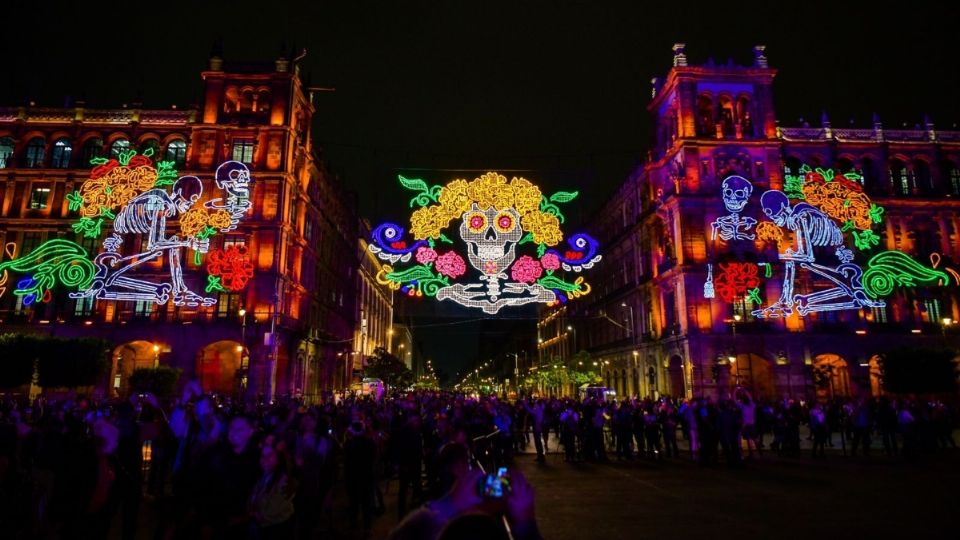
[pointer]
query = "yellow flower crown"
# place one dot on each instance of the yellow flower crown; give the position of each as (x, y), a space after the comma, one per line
(489, 190)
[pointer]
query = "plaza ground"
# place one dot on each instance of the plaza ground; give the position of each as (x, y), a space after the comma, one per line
(773, 497)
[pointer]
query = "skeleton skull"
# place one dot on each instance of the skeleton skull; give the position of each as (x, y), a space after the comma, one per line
(492, 237)
(736, 192)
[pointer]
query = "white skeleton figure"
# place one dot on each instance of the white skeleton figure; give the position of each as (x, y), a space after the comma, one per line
(147, 214)
(812, 228)
(491, 238)
(234, 178)
(736, 193)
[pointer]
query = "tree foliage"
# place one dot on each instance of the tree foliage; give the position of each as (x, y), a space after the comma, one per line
(18, 352)
(69, 363)
(388, 368)
(908, 370)
(160, 381)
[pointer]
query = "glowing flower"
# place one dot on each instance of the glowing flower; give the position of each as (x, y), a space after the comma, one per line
(428, 221)
(526, 196)
(484, 189)
(232, 266)
(454, 199)
(450, 264)
(550, 261)
(220, 219)
(193, 222)
(526, 270)
(426, 255)
(545, 227)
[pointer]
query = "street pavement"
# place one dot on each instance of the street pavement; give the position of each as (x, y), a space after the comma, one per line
(770, 497)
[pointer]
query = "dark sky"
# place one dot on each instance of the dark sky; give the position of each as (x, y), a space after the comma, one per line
(556, 89)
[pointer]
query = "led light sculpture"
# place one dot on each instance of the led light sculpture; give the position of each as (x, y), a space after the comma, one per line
(496, 218)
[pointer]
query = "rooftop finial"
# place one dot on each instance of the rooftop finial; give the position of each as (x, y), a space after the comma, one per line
(760, 56)
(679, 54)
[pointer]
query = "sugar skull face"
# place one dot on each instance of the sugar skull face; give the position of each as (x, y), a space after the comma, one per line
(736, 193)
(491, 236)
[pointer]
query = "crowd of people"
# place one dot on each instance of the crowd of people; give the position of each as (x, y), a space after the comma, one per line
(216, 468)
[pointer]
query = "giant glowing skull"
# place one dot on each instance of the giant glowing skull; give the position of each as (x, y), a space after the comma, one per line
(491, 236)
(736, 192)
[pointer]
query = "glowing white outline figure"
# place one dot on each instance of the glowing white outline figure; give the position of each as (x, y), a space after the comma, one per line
(812, 228)
(234, 178)
(708, 290)
(492, 251)
(147, 214)
(736, 192)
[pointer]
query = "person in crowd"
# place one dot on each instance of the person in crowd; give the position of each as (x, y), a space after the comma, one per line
(271, 501)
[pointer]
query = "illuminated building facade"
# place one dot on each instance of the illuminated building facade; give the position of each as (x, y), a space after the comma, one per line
(274, 335)
(374, 305)
(666, 313)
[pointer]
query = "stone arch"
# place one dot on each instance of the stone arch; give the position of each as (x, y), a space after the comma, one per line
(876, 380)
(755, 373)
(217, 366)
(128, 357)
(831, 377)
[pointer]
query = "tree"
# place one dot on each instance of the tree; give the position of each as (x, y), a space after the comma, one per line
(908, 370)
(389, 369)
(19, 352)
(160, 381)
(69, 363)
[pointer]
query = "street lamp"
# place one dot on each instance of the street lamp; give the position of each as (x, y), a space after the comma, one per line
(156, 355)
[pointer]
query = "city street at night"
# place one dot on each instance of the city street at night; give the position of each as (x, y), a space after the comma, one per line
(499, 270)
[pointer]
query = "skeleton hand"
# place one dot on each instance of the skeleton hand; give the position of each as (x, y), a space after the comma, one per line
(200, 245)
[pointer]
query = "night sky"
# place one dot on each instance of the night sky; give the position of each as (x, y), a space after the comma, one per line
(556, 90)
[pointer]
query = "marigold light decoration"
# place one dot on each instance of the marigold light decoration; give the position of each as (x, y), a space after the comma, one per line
(231, 266)
(817, 215)
(495, 217)
(135, 197)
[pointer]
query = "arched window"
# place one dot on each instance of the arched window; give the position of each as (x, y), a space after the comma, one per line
(263, 100)
(725, 115)
(921, 176)
(744, 120)
(176, 152)
(151, 144)
(93, 148)
(36, 149)
(951, 174)
(868, 170)
(119, 145)
(791, 166)
(844, 165)
(900, 178)
(705, 124)
(6, 151)
(60, 158)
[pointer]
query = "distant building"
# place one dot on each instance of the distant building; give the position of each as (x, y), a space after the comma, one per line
(374, 307)
(650, 314)
(299, 235)
(401, 344)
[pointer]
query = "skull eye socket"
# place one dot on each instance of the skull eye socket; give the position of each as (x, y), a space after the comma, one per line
(476, 222)
(505, 222)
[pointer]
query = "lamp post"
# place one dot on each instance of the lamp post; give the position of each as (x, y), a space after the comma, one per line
(945, 322)
(156, 356)
(631, 331)
(572, 330)
(244, 358)
(733, 359)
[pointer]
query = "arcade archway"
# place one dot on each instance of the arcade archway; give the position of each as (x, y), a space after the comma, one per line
(675, 373)
(128, 357)
(217, 366)
(831, 377)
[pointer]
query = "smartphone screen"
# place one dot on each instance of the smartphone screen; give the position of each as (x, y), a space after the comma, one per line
(496, 485)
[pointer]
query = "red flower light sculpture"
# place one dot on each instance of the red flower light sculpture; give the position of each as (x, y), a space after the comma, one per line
(231, 266)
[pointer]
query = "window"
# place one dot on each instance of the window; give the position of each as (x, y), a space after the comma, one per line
(35, 153)
(308, 229)
(879, 314)
(932, 307)
(60, 159)
(921, 176)
(177, 152)
(761, 171)
(39, 197)
(93, 148)
(119, 145)
(900, 178)
(6, 151)
(29, 241)
(243, 150)
(954, 176)
(83, 306)
(143, 308)
(227, 305)
(18, 307)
